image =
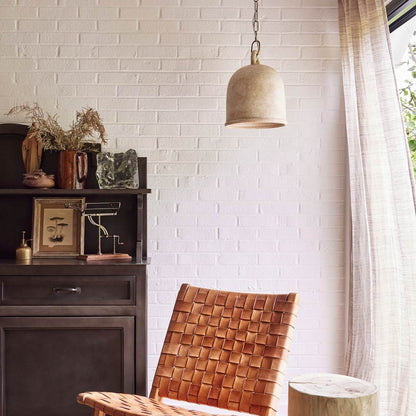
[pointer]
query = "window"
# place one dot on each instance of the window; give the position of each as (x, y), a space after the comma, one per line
(402, 23)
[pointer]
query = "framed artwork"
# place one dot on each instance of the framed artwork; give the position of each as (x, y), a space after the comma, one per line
(58, 227)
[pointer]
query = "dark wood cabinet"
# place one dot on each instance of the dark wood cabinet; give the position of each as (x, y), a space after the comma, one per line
(67, 325)
(57, 357)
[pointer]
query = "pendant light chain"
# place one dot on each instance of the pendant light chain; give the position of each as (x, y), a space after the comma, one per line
(256, 27)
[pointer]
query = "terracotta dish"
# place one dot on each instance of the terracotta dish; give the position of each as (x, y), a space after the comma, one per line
(38, 179)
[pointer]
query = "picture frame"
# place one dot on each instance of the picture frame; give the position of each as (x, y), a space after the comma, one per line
(58, 227)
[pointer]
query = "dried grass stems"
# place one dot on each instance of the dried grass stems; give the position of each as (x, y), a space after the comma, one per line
(46, 129)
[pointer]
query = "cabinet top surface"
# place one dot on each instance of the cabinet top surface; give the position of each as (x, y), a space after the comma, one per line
(69, 262)
(90, 191)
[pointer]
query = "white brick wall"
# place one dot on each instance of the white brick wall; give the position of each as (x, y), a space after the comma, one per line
(230, 209)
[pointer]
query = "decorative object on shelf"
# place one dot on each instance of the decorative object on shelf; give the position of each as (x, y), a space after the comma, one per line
(255, 93)
(38, 179)
(58, 228)
(24, 252)
(117, 170)
(46, 129)
(72, 169)
(32, 150)
(97, 210)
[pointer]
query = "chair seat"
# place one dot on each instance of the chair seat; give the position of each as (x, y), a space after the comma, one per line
(121, 404)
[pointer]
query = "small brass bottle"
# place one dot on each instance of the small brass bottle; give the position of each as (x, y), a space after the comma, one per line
(24, 252)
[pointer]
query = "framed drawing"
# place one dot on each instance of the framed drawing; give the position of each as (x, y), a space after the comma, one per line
(58, 227)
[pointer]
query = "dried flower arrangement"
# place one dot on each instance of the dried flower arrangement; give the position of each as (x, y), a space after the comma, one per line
(45, 128)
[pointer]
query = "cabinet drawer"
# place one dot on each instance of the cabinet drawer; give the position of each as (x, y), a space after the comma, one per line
(68, 290)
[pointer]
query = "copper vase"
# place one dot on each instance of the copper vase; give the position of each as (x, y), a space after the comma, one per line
(72, 169)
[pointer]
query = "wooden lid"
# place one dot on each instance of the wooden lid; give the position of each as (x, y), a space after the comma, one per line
(332, 385)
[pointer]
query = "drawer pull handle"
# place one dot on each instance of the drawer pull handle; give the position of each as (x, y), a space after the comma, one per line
(60, 290)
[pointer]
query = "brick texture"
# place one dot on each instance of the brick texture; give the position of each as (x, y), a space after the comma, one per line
(258, 211)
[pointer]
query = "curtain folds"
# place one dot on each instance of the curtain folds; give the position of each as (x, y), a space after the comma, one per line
(382, 304)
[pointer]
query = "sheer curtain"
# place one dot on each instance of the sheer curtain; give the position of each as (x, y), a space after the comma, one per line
(382, 304)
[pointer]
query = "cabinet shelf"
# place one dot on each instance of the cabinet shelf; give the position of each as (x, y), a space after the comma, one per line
(86, 192)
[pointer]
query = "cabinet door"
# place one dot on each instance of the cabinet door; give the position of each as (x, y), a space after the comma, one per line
(46, 362)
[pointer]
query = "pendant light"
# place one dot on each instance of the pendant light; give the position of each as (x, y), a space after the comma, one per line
(255, 93)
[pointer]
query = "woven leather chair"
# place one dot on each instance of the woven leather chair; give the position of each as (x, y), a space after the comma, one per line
(222, 349)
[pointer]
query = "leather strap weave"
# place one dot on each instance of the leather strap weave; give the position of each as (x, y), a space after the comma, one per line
(222, 349)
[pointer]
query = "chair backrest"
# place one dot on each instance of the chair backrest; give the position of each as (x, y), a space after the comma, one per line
(226, 349)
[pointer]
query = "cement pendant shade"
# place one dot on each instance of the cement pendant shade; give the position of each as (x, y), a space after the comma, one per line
(255, 93)
(256, 97)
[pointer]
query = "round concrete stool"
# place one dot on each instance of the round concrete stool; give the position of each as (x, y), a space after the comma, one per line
(331, 395)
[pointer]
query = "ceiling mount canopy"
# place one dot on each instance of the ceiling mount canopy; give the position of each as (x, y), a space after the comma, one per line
(255, 93)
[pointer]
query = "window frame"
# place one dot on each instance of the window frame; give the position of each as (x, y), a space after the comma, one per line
(399, 12)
